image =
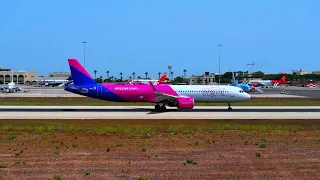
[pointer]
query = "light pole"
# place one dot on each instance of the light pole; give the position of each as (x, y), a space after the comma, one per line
(219, 45)
(84, 53)
(170, 77)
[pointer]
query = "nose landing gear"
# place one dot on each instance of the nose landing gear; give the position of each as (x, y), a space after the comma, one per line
(229, 108)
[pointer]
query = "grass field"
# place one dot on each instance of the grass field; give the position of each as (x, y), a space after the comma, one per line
(159, 149)
(81, 101)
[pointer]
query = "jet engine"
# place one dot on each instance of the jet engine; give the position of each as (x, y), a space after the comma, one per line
(185, 103)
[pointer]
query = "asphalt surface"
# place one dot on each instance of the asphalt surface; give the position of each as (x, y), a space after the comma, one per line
(268, 92)
(60, 92)
(143, 112)
(295, 91)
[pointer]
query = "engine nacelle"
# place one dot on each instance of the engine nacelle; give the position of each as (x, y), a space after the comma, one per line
(185, 103)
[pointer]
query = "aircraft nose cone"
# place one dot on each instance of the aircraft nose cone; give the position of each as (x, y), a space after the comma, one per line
(246, 96)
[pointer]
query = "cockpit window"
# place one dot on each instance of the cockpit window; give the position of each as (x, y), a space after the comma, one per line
(241, 91)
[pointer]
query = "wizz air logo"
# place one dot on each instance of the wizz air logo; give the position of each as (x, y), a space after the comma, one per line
(212, 92)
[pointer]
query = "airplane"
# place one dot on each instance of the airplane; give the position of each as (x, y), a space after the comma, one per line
(273, 83)
(245, 87)
(162, 80)
(11, 87)
(182, 97)
(57, 82)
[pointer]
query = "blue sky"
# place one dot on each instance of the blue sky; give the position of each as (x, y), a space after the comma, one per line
(143, 35)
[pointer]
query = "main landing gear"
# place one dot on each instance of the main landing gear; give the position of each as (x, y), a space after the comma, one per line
(159, 108)
(229, 108)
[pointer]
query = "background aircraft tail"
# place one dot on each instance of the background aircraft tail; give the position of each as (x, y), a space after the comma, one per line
(234, 83)
(283, 78)
(163, 78)
(79, 75)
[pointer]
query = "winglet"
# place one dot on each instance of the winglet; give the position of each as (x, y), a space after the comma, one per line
(153, 87)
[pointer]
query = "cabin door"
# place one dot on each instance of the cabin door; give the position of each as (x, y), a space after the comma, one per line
(99, 91)
(232, 94)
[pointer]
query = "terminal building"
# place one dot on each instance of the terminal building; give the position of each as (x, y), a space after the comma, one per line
(18, 77)
(299, 72)
(28, 78)
(206, 79)
(60, 74)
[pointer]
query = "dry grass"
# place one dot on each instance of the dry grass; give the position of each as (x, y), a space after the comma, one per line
(191, 149)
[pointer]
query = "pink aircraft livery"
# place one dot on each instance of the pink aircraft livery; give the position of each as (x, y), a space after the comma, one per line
(180, 96)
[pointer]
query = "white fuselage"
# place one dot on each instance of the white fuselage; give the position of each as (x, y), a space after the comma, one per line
(212, 93)
(145, 93)
(52, 82)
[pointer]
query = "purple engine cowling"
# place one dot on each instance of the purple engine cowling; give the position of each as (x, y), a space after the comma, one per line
(185, 103)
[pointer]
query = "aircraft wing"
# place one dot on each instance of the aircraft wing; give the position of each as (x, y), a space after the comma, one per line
(259, 90)
(4, 87)
(163, 96)
(65, 83)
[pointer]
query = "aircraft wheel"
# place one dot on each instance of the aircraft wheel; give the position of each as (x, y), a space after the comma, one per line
(229, 108)
(157, 107)
(163, 108)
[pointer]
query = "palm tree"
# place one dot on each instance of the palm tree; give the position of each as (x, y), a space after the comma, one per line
(146, 73)
(108, 74)
(111, 78)
(184, 74)
(95, 74)
(159, 73)
(139, 77)
(121, 76)
(133, 75)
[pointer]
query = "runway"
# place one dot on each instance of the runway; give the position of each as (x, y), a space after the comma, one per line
(146, 112)
(291, 92)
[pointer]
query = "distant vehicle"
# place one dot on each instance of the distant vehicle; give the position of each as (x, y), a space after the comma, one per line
(182, 97)
(245, 87)
(267, 83)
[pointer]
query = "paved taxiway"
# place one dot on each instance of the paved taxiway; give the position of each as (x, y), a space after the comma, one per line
(58, 92)
(146, 112)
(294, 91)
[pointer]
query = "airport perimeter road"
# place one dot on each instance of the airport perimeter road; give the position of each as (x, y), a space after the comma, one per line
(143, 112)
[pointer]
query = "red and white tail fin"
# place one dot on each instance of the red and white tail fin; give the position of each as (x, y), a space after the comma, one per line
(163, 78)
(283, 78)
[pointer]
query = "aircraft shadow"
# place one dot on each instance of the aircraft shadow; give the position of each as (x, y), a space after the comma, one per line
(152, 111)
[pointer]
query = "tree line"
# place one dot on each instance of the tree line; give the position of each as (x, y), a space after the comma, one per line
(224, 78)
